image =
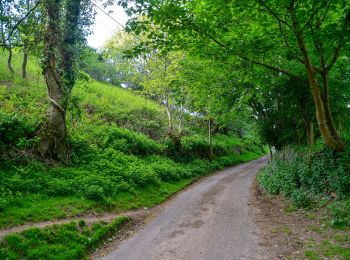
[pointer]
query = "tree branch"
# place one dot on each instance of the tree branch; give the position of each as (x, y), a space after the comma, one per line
(21, 20)
(273, 13)
(224, 46)
(315, 12)
(341, 42)
(273, 68)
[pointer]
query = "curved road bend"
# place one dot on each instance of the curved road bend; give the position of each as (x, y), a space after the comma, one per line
(212, 220)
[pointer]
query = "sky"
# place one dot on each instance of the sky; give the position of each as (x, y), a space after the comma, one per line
(104, 26)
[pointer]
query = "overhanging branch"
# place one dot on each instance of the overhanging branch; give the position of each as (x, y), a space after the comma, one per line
(21, 20)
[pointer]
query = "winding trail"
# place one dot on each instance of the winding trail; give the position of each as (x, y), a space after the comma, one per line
(212, 220)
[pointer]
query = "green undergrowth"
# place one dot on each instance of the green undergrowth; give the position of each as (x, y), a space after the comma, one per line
(67, 241)
(39, 194)
(331, 242)
(308, 178)
(318, 181)
(120, 156)
(335, 248)
(311, 179)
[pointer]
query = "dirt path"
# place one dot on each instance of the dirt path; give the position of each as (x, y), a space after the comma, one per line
(89, 219)
(211, 220)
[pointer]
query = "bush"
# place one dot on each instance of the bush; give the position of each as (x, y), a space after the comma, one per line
(92, 136)
(300, 176)
(340, 213)
(301, 198)
(7, 197)
(14, 129)
(195, 146)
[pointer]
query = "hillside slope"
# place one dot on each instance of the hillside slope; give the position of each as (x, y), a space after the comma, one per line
(120, 156)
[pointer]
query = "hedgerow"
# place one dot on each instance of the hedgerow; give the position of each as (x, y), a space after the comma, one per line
(306, 176)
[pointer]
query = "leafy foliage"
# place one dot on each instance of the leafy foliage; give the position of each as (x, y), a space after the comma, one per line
(67, 241)
(13, 129)
(120, 157)
(304, 176)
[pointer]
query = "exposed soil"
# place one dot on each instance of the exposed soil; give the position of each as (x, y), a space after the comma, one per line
(288, 233)
(89, 219)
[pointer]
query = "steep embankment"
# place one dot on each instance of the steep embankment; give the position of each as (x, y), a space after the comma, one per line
(121, 159)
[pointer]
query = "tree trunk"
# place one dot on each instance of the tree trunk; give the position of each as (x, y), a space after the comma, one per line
(180, 126)
(60, 73)
(322, 119)
(328, 113)
(170, 117)
(271, 153)
(211, 152)
(340, 125)
(9, 59)
(53, 142)
(24, 64)
(309, 133)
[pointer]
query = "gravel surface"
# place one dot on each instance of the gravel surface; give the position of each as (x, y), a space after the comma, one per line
(211, 220)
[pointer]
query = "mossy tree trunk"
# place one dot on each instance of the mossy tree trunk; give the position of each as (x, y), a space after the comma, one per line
(60, 40)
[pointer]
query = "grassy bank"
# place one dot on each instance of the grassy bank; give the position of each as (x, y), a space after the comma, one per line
(20, 207)
(68, 241)
(120, 155)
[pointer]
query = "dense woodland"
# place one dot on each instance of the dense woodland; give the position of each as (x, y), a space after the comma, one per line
(187, 88)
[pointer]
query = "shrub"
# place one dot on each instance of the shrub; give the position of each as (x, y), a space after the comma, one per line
(340, 213)
(119, 139)
(166, 169)
(301, 198)
(14, 128)
(300, 176)
(195, 146)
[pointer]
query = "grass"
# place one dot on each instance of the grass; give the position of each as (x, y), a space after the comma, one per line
(329, 249)
(121, 160)
(67, 241)
(36, 208)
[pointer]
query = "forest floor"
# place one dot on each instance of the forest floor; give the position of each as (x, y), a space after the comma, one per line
(211, 219)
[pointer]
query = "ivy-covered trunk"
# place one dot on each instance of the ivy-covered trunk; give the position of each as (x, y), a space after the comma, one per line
(58, 67)
(54, 134)
(53, 144)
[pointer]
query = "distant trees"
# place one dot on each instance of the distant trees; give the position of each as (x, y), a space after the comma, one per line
(129, 68)
(160, 82)
(21, 24)
(96, 64)
(302, 40)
